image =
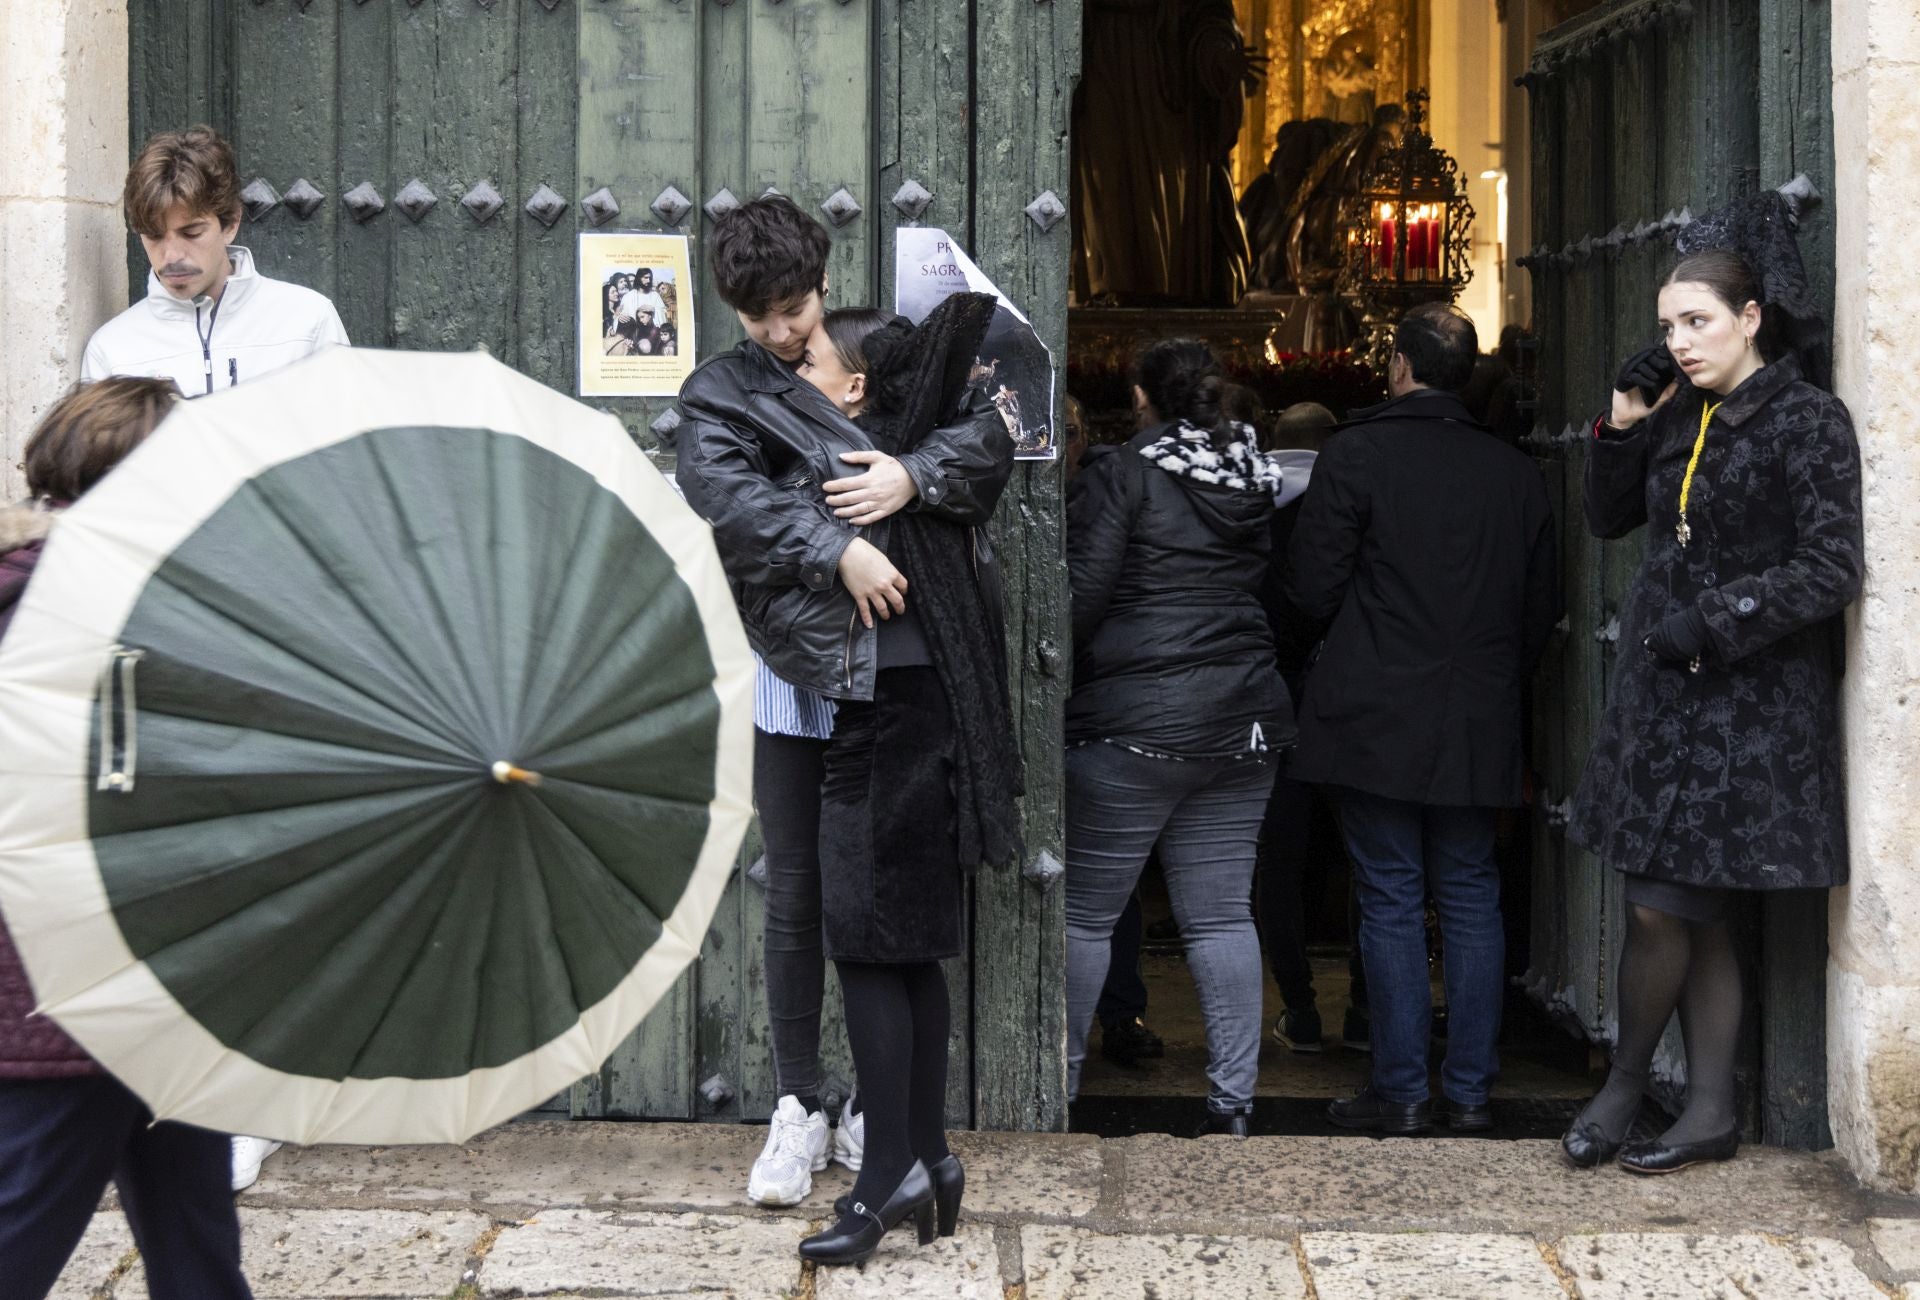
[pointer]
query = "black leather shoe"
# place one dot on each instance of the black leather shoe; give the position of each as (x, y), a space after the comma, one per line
(949, 1179)
(1238, 1124)
(1586, 1146)
(1129, 1042)
(1662, 1158)
(1466, 1119)
(860, 1230)
(1373, 1113)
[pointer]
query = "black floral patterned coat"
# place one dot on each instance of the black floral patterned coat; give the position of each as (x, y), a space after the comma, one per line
(1730, 776)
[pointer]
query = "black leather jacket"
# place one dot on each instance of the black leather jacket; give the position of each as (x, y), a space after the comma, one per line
(754, 443)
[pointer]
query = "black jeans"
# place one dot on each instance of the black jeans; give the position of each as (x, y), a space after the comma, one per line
(1124, 996)
(63, 1140)
(1290, 885)
(787, 772)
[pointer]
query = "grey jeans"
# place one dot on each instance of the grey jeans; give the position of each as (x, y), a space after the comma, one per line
(1205, 815)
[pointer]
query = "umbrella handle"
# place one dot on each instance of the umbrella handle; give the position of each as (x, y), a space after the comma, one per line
(119, 711)
(508, 774)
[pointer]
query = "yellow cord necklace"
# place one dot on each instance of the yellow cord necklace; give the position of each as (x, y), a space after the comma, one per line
(1682, 531)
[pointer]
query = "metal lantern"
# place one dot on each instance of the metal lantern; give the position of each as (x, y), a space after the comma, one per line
(1408, 234)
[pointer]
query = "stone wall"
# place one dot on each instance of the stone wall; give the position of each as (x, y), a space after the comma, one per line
(1873, 989)
(63, 156)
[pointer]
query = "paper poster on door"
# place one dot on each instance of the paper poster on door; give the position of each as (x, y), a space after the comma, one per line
(1014, 366)
(636, 315)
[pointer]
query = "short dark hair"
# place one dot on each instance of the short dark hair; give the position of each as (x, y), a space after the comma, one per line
(91, 430)
(193, 168)
(767, 253)
(1303, 427)
(1439, 343)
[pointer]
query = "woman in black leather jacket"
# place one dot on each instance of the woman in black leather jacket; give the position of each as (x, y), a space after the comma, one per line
(1176, 703)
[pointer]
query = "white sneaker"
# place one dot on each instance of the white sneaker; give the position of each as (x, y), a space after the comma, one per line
(796, 1150)
(248, 1153)
(850, 1139)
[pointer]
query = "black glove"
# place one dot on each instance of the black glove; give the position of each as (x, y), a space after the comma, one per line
(1649, 371)
(1680, 638)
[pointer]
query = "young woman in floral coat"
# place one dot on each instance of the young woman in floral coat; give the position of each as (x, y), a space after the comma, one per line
(1717, 766)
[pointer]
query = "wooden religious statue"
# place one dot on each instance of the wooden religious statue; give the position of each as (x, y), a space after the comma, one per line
(1162, 89)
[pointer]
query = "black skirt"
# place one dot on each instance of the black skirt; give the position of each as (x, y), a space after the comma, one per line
(890, 881)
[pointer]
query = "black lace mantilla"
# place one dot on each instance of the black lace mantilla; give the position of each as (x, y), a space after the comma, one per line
(1761, 229)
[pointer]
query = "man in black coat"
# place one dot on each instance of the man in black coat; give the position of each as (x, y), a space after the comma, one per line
(1429, 547)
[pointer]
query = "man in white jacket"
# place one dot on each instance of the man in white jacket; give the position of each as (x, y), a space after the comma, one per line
(209, 320)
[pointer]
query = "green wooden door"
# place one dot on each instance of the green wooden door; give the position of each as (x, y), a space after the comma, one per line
(633, 100)
(1643, 110)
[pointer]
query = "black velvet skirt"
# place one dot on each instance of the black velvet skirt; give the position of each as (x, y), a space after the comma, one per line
(891, 889)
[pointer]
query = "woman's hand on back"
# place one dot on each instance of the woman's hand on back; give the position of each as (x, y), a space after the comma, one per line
(870, 578)
(867, 498)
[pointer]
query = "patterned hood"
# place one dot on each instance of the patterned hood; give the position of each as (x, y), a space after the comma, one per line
(1233, 490)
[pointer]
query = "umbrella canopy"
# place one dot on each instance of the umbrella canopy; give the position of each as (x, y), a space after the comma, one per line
(374, 750)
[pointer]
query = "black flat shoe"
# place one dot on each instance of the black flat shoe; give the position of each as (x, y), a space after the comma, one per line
(1662, 1158)
(1238, 1124)
(867, 1227)
(949, 1178)
(1372, 1113)
(1587, 1146)
(1129, 1042)
(1466, 1119)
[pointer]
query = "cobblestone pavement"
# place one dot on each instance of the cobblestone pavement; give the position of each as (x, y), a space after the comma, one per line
(657, 1210)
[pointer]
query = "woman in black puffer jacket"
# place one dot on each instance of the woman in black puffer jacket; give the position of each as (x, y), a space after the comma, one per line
(1177, 707)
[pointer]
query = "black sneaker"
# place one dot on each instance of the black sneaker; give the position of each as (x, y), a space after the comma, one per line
(1129, 1042)
(1298, 1031)
(1355, 1030)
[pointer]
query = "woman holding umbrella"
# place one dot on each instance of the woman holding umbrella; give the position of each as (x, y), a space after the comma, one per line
(920, 780)
(67, 1127)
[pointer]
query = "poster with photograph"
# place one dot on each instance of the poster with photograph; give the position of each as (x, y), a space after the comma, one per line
(636, 315)
(1014, 366)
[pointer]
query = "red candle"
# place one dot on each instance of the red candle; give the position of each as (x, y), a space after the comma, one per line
(1385, 246)
(1417, 249)
(1433, 246)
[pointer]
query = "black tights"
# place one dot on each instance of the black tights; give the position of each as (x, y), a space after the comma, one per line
(897, 1027)
(1669, 962)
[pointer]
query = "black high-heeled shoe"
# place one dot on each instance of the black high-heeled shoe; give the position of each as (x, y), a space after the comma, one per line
(1587, 1146)
(949, 1179)
(856, 1244)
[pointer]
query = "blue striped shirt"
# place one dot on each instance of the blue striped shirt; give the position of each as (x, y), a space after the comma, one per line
(782, 709)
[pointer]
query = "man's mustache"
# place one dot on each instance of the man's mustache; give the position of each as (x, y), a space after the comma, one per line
(179, 268)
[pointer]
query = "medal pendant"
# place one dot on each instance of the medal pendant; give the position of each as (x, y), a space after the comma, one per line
(1684, 533)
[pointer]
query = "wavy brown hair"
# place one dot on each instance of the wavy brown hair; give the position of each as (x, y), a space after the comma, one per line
(193, 168)
(91, 430)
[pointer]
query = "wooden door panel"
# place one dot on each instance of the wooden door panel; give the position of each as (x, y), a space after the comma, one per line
(1640, 110)
(805, 96)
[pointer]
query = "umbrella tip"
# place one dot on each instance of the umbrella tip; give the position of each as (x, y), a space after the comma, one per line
(508, 774)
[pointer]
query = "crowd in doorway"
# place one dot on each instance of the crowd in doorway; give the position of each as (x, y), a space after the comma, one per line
(1350, 617)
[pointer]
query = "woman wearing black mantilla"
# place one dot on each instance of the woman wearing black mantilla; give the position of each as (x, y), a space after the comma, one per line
(1716, 770)
(920, 781)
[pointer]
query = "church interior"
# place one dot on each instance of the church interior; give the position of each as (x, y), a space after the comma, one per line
(1281, 178)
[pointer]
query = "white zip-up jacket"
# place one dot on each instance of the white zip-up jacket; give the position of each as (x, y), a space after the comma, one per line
(257, 325)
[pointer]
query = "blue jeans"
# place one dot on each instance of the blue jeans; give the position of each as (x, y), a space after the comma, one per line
(1205, 814)
(62, 1140)
(1401, 853)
